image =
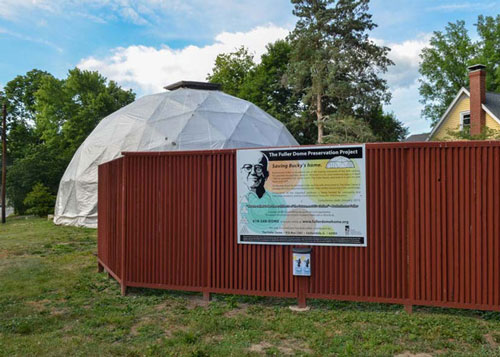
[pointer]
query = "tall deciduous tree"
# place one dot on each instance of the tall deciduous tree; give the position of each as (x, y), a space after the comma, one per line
(69, 109)
(20, 99)
(264, 85)
(49, 118)
(385, 126)
(231, 70)
(488, 49)
(445, 61)
(444, 68)
(333, 62)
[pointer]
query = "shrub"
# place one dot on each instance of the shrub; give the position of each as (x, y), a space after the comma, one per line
(40, 201)
(42, 165)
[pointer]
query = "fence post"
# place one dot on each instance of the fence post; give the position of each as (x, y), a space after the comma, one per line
(302, 291)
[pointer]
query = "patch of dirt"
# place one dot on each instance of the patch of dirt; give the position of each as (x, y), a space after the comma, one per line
(3, 253)
(283, 348)
(491, 341)
(163, 306)
(260, 347)
(38, 305)
(55, 311)
(297, 344)
(41, 305)
(196, 301)
(409, 354)
(240, 310)
(214, 338)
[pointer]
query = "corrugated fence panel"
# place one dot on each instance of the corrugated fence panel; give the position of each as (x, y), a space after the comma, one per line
(379, 270)
(433, 215)
(167, 232)
(455, 243)
(110, 219)
(249, 269)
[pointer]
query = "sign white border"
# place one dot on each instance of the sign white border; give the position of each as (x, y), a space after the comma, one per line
(361, 208)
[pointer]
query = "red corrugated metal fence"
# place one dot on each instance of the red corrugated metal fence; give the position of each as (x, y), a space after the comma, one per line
(168, 220)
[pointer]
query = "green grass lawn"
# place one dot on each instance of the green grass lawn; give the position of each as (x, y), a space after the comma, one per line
(53, 302)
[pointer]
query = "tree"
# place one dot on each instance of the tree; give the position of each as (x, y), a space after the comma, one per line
(231, 70)
(40, 166)
(40, 201)
(69, 109)
(333, 62)
(444, 69)
(264, 85)
(348, 129)
(49, 119)
(20, 99)
(444, 63)
(385, 126)
(488, 48)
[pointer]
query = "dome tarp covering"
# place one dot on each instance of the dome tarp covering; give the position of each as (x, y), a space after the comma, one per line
(183, 119)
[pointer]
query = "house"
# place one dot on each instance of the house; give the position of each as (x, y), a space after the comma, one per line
(475, 108)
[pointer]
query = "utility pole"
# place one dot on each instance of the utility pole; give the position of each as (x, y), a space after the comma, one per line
(4, 158)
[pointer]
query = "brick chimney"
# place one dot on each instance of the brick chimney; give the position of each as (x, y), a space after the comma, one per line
(477, 78)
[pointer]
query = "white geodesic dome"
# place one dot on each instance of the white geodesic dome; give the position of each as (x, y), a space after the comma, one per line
(183, 119)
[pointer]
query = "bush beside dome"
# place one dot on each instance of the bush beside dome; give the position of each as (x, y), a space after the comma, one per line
(191, 116)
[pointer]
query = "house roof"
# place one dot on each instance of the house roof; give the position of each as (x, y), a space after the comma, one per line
(491, 106)
(493, 103)
(417, 137)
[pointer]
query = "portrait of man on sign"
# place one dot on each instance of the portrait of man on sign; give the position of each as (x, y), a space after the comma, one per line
(254, 173)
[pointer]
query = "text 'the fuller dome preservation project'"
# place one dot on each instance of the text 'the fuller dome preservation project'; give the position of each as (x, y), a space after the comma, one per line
(190, 116)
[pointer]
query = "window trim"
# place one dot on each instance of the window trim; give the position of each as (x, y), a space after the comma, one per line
(462, 114)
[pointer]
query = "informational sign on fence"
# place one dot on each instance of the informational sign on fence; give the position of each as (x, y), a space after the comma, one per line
(302, 196)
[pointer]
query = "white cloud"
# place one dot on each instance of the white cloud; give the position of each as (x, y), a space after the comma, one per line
(149, 69)
(406, 107)
(402, 79)
(406, 58)
(179, 15)
(10, 9)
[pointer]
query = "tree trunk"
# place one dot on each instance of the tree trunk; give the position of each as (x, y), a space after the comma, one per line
(319, 116)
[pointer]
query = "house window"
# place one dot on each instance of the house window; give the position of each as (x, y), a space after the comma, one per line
(464, 120)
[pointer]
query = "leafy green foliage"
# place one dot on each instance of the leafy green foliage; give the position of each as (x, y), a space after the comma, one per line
(464, 134)
(40, 166)
(333, 63)
(265, 84)
(444, 63)
(348, 130)
(19, 96)
(48, 119)
(488, 29)
(386, 127)
(444, 69)
(231, 70)
(68, 110)
(40, 201)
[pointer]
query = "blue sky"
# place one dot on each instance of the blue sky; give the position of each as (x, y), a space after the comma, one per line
(146, 44)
